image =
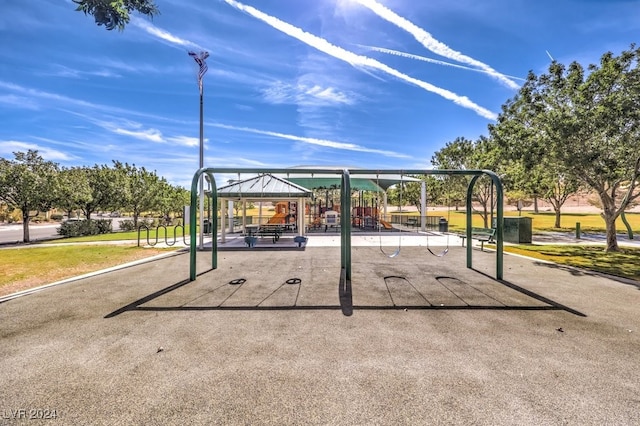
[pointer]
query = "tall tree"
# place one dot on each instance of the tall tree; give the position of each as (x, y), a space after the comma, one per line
(412, 192)
(115, 13)
(74, 190)
(455, 156)
(28, 183)
(585, 122)
(107, 190)
(464, 154)
(172, 200)
(141, 189)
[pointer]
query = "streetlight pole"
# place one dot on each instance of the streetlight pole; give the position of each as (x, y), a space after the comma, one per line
(202, 69)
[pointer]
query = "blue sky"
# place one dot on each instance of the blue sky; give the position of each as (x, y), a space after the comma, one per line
(358, 83)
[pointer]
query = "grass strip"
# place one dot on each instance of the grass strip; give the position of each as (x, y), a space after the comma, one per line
(625, 263)
(25, 268)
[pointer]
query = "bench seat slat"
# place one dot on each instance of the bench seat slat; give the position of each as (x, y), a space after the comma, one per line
(484, 235)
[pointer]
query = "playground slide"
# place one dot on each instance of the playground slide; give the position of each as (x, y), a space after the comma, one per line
(386, 224)
(277, 218)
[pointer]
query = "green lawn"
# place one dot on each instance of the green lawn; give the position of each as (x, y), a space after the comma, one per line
(133, 235)
(544, 221)
(624, 263)
(28, 267)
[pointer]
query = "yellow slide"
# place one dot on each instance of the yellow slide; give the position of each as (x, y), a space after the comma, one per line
(277, 218)
(386, 224)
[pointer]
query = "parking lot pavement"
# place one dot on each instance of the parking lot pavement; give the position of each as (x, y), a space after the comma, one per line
(266, 339)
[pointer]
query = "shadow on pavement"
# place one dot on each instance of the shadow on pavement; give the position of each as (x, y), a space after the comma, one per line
(345, 298)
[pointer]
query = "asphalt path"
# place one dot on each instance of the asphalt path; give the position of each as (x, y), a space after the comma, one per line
(274, 337)
(13, 233)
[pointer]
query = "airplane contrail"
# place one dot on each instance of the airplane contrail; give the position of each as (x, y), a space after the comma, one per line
(430, 60)
(428, 41)
(358, 60)
(314, 141)
(164, 35)
(549, 55)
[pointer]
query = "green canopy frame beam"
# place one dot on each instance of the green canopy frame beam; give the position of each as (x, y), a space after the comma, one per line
(345, 199)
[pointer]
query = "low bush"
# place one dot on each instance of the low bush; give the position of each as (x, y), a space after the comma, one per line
(57, 217)
(85, 227)
(127, 224)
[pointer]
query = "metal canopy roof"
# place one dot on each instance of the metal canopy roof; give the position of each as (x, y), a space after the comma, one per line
(264, 186)
(364, 182)
(332, 182)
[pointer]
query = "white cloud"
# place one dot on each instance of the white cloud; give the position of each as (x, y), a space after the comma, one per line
(358, 60)
(66, 72)
(151, 135)
(306, 94)
(315, 141)
(429, 42)
(7, 148)
(137, 130)
(30, 94)
(15, 101)
(185, 140)
(328, 94)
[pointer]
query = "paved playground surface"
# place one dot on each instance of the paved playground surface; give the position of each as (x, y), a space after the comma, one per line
(270, 337)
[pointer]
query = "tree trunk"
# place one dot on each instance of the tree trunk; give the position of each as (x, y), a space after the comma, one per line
(535, 209)
(558, 215)
(612, 238)
(25, 226)
(485, 216)
(610, 214)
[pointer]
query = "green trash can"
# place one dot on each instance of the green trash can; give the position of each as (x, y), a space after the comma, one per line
(517, 230)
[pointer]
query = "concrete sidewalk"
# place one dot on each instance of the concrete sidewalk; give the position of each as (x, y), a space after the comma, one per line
(271, 338)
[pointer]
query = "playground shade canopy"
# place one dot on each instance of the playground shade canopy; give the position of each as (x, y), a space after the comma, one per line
(295, 185)
(263, 186)
(368, 182)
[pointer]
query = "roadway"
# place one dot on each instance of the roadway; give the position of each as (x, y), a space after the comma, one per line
(12, 233)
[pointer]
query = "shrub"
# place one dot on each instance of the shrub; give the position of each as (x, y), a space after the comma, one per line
(57, 217)
(104, 226)
(85, 227)
(127, 224)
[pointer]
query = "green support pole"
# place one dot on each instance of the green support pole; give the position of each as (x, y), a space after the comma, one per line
(214, 222)
(345, 224)
(192, 225)
(499, 219)
(193, 220)
(470, 222)
(500, 223)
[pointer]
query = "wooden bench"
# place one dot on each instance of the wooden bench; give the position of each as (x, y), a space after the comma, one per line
(484, 235)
